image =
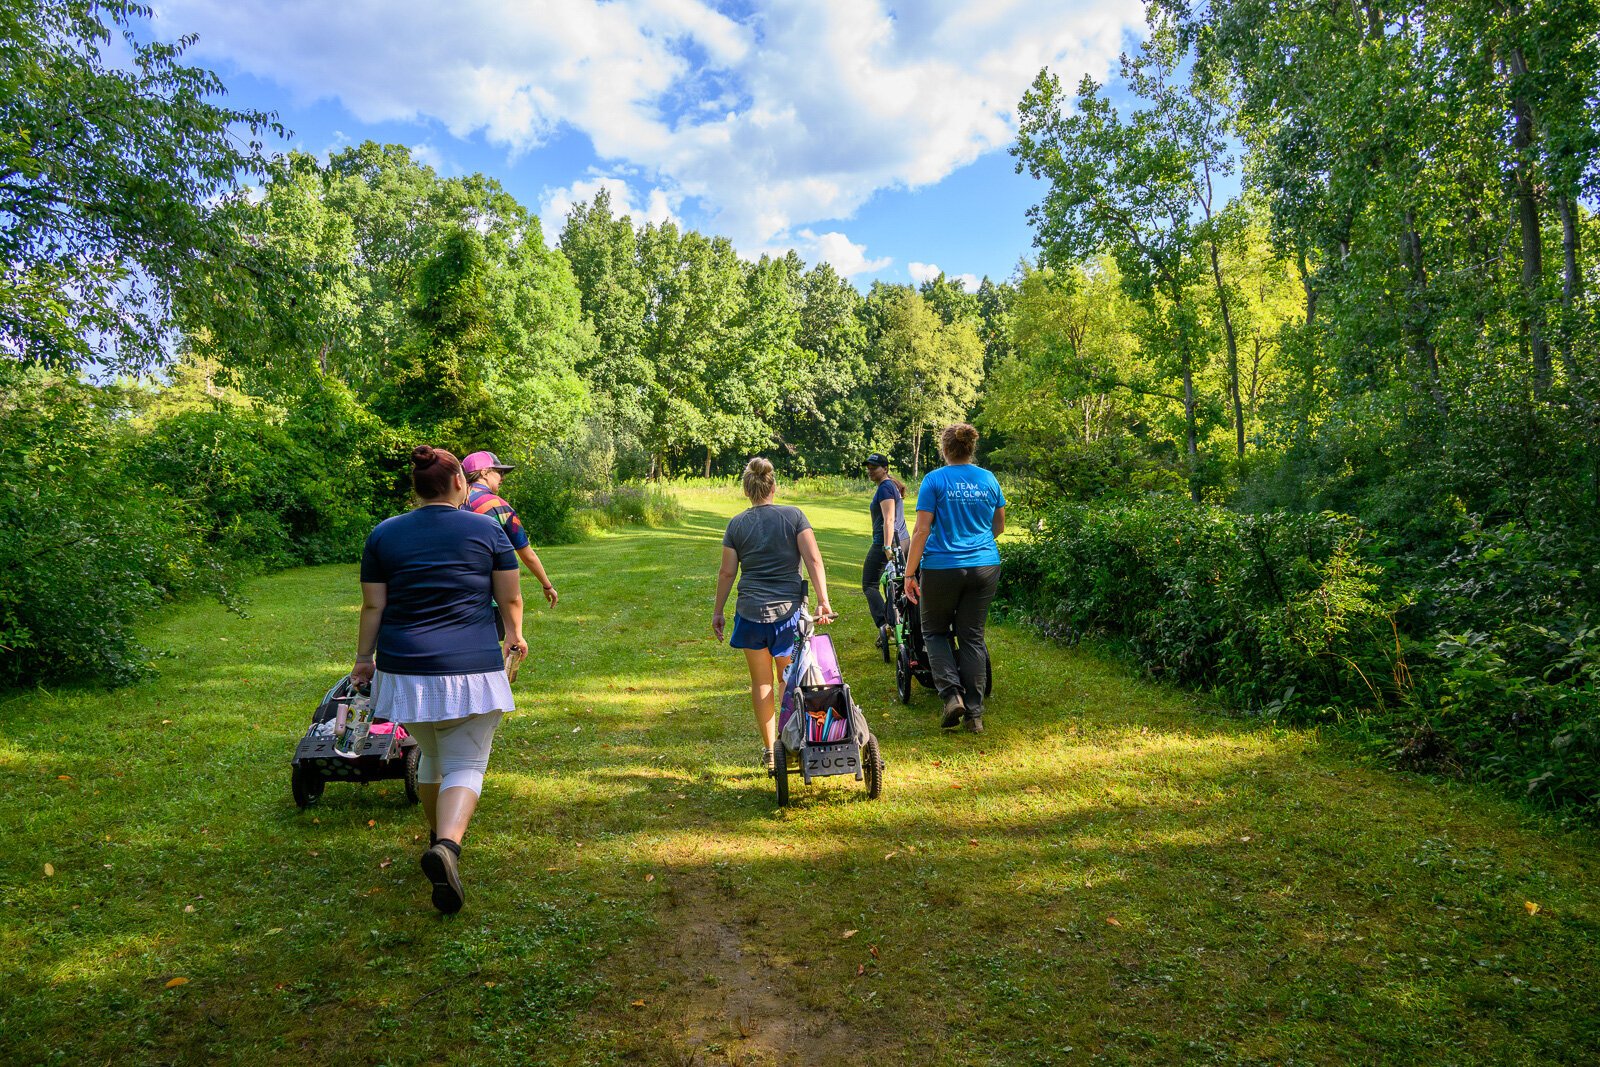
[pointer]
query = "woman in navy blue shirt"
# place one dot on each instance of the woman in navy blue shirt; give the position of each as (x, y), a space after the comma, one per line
(428, 646)
(960, 512)
(888, 513)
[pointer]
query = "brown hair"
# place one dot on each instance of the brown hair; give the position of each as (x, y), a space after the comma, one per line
(758, 479)
(433, 470)
(958, 442)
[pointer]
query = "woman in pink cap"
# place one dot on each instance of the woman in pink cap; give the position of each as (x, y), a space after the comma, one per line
(484, 473)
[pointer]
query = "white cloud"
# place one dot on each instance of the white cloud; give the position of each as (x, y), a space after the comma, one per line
(429, 156)
(556, 204)
(791, 115)
(844, 255)
(927, 272)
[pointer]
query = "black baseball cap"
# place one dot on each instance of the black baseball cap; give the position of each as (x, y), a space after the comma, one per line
(876, 459)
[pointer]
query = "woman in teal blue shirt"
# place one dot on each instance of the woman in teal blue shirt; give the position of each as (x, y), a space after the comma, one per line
(952, 572)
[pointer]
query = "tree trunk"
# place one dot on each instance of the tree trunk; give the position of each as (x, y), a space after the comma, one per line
(1425, 356)
(1528, 222)
(1190, 426)
(916, 453)
(708, 461)
(1309, 287)
(1233, 351)
(1571, 280)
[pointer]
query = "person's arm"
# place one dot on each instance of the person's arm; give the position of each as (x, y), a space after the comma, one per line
(919, 541)
(812, 556)
(725, 576)
(998, 524)
(530, 559)
(374, 597)
(508, 594)
(886, 505)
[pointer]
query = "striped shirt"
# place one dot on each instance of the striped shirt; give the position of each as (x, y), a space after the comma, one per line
(482, 502)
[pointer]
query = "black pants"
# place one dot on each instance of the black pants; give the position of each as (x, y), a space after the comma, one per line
(871, 580)
(955, 605)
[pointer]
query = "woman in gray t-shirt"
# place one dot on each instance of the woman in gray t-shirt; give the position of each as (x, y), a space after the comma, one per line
(765, 546)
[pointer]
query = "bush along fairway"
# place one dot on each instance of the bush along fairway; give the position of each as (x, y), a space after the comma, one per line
(1110, 874)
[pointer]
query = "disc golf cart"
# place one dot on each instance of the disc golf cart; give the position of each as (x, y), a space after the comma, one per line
(821, 730)
(345, 744)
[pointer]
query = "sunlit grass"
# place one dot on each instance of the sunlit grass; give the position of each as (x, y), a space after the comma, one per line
(1109, 874)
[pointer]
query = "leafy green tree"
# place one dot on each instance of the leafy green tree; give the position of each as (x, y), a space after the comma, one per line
(932, 370)
(604, 256)
(1129, 187)
(107, 171)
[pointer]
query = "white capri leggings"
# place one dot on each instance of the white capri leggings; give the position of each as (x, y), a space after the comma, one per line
(455, 753)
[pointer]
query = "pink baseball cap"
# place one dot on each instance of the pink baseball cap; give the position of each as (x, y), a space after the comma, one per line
(484, 461)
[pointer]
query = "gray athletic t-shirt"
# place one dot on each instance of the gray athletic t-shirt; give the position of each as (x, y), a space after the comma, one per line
(763, 537)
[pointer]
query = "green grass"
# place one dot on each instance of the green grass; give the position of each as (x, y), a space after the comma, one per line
(636, 896)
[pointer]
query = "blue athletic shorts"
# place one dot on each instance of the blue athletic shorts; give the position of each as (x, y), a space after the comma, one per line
(776, 637)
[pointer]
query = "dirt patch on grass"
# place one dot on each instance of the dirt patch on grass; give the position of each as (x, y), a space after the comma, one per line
(734, 996)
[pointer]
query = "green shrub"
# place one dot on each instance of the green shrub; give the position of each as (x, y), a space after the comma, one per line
(546, 501)
(634, 505)
(85, 549)
(1487, 664)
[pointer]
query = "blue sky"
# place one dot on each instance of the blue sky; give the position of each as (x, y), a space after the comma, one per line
(869, 134)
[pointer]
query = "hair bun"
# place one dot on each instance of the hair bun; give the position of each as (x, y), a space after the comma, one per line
(422, 456)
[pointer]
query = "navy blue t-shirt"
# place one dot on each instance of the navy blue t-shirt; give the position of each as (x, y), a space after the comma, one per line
(887, 490)
(439, 565)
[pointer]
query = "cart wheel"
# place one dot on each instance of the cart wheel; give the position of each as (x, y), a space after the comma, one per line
(307, 786)
(780, 772)
(988, 674)
(872, 768)
(413, 757)
(902, 676)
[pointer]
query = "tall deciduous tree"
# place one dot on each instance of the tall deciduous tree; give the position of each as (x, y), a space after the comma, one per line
(1130, 186)
(107, 174)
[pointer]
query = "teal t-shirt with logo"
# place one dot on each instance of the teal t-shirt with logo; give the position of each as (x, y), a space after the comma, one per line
(963, 498)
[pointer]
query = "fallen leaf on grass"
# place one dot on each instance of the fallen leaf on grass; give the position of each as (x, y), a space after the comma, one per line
(1033, 789)
(176, 982)
(490, 985)
(374, 889)
(649, 877)
(955, 785)
(972, 840)
(1530, 907)
(891, 855)
(188, 909)
(372, 822)
(874, 950)
(275, 930)
(1111, 920)
(552, 868)
(861, 969)
(63, 777)
(849, 934)
(49, 870)
(1246, 837)
(385, 863)
(638, 1004)
(166, 722)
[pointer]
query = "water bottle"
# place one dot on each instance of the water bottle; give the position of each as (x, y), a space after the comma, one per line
(356, 726)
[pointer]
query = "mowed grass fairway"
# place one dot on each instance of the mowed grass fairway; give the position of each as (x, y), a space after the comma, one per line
(1109, 874)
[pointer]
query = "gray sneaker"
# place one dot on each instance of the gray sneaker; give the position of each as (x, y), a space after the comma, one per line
(442, 867)
(974, 723)
(768, 760)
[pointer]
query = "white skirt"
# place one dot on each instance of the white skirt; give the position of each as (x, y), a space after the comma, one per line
(439, 697)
